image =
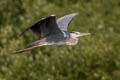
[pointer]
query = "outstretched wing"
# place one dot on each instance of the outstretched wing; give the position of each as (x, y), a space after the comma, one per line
(64, 21)
(44, 27)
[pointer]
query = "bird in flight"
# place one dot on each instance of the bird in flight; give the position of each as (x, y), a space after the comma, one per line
(52, 31)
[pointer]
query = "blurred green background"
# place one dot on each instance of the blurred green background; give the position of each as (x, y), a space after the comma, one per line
(95, 57)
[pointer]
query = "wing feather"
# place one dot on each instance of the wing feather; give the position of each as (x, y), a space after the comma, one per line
(63, 22)
(43, 27)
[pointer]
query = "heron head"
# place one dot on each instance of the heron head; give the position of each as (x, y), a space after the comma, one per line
(78, 34)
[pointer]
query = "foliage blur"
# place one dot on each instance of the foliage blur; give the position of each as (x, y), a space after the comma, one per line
(95, 57)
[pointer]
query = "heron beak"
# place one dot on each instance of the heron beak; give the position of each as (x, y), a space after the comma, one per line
(84, 34)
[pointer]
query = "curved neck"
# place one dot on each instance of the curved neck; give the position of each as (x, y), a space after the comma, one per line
(65, 33)
(71, 40)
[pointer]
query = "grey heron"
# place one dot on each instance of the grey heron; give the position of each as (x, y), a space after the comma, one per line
(52, 31)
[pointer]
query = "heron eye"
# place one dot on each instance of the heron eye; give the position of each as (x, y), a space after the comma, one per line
(76, 33)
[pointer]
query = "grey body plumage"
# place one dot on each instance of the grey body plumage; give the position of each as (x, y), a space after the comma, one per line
(52, 31)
